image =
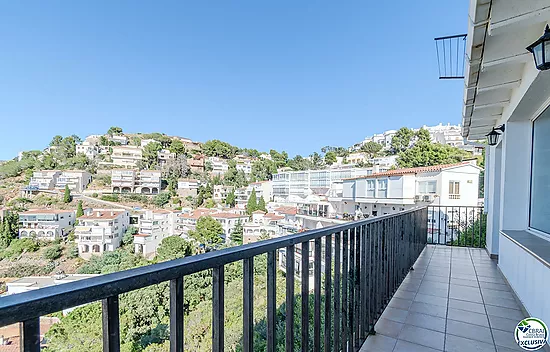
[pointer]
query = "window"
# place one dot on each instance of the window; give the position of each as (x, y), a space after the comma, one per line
(540, 174)
(454, 189)
(382, 188)
(427, 187)
(370, 188)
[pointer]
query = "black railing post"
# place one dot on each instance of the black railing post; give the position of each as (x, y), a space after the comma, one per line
(345, 285)
(176, 315)
(317, 296)
(328, 292)
(305, 296)
(218, 309)
(248, 304)
(30, 335)
(111, 324)
(358, 281)
(271, 300)
(352, 278)
(337, 286)
(289, 320)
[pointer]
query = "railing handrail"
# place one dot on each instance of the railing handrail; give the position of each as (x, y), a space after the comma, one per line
(24, 306)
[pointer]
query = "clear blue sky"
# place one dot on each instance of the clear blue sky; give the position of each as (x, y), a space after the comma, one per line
(289, 75)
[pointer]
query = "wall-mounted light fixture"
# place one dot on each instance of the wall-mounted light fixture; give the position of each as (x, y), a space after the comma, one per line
(492, 137)
(541, 50)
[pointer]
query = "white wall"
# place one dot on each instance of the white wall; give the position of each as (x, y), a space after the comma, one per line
(529, 278)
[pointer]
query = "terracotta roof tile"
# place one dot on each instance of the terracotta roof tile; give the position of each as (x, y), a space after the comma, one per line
(103, 215)
(228, 215)
(45, 211)
(413, 170)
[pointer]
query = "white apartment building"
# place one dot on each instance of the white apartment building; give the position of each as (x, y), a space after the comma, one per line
(229, 221)
(44, 180)
(164, 155)
(144, 142)
(219, 165)
(262, 224)
(244, 164)
(153, 227)
(123, 140)
(126, 156)
(444, 134)
(101, 230)
(76, 180)
(188, 187)
(133, 181)
(148, 182)
(46, 224)
(293, 186)
(396, 190)
(504, 90)
(54, 179)
(220, 192)
(88, 148)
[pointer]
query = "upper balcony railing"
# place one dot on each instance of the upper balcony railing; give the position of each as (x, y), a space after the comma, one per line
(370, 258)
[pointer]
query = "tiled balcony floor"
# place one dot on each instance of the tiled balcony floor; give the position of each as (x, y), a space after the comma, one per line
(455, 300)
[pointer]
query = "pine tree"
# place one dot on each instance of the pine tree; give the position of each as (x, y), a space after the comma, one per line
(67, 196)
(261, 204)
(252, 204)
(79, 210)
(236, 236)
(231, 199)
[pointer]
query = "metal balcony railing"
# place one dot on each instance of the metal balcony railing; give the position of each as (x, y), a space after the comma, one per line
(457, 225)
(370, 258)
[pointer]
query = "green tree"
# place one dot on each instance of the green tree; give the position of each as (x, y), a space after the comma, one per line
(114, 131)
(316, 161)
(9, 229)
(177, 147)
(231, 199)
(210, 203)
(423, 136)
(280, 159)
(252, 204)
(162, 199)
(150, 154)
(135, 141)
(330, 158)
(79, 210)
(128, 237)
(53, 252)
(371, 148)
(67, 198)
(299, 163)
(429, 154)
(56, 141)
(236, 236)
(208, 231)
(173, 247)
(253, 153)
(218, 148)
(402, 140)
(263, 170)
(261, 204)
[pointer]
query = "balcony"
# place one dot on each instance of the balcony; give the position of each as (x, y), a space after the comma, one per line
(455, 299)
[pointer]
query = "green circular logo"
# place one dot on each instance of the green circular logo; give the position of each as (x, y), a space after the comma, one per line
(531, 334)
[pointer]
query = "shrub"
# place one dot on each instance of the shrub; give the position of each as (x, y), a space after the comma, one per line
(110, 197)
(72, 252)
(53, 252)
(21, 270)
(95, 195)
(19, 246)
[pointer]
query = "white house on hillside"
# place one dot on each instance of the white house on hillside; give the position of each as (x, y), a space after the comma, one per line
(101, 230)
(46, 224)
(401, 189)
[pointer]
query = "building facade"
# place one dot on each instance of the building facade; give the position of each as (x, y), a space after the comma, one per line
(101, 230)
(76, 180)
(46, 224)
(134, 181)
(153, 227)
(505, 90)
(126, 156)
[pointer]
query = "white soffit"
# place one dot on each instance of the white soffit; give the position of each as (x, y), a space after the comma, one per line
(497, 57)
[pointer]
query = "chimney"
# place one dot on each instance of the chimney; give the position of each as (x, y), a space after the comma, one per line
(376, 169)
(98, 214)
(112, 213)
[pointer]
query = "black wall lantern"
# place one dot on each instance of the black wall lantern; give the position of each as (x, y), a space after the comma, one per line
(492, 137)
(541, 50)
